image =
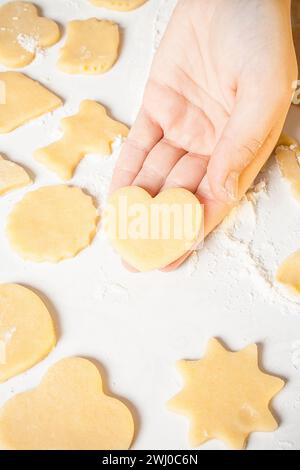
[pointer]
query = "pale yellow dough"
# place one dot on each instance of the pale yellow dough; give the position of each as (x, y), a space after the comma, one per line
(288, 158)
(24, 99)
(226, 396)
(119, 5)
(146, 252)
(12, 176)
(68, 411)
(22, 32)
(289, 272)
(89, 131)
(52, 223)
(91, 47)
(27, 332)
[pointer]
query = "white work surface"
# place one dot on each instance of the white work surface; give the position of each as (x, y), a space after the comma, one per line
(138, 325)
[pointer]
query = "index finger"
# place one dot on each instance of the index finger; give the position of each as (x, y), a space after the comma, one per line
(143, 136)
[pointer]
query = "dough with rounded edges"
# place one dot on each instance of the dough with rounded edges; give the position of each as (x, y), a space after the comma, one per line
(91, 47)
(52, 223)
(12, 176)
(226, 396)
(289, 272)
(89, 131)
(23, 99)
(149, 233)
(119, 5)
(27, 332)
(67, 411)
(23, 32)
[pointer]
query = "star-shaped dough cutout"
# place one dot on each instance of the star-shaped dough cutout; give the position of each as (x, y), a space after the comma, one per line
(12, 176)
(119, 5)
(226, 396)
(23, 32)
(288, 157)
(89, 131)
(91, 47)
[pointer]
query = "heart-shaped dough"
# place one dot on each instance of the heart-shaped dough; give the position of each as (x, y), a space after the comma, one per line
(27, 332)
(150, 233)
(67, 411)
(12, 176)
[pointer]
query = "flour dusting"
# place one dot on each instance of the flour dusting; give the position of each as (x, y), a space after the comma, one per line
(30, 44)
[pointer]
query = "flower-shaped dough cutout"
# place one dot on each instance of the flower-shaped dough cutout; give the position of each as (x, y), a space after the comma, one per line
(89, 131)
(23, 32)
(52, 223)
(67, 411)
(27, 333)
(119, 5)
(23, 99)
(12, 176)
(226, 396)
(288, 158)
(91, 47)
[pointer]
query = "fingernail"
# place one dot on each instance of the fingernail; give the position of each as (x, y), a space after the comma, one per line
(232, 186)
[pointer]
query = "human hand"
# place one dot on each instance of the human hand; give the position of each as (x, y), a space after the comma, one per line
(216, 100)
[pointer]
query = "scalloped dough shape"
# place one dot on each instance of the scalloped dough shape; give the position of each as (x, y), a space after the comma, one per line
(89, 131)
(150, 233)
(52, 223)
(119, 5)
(23, 32)
(27, 333)
(289, 273)
(226, 396)
(24, 99)
(288, 158)
(92, 47)
(12, 176)
(67, 411)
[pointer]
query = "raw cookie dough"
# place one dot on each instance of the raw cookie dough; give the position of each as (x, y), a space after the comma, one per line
(89, 131)
(120, 5)
(91, 47)
(289, 272)
(23, 32)
(52, 223)
(24, 99)
(12, 176)
(67, 411)
(27, 332)
(288, 158)
(139, 229)
(226, 396)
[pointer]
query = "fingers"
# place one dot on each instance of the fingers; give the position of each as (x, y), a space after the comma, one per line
(188, 172)
(143, 136)
(246, 132)
(215, 210)
(157, 166)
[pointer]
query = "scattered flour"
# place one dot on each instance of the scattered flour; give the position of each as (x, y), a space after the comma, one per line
(110, 289)
(296, 354)
(30, 44)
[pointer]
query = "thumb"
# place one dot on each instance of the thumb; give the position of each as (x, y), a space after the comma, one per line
(247, 130)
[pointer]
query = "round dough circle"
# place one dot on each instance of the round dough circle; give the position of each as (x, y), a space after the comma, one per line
(119, 5)
(52, 223)
(27, 333)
